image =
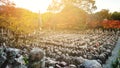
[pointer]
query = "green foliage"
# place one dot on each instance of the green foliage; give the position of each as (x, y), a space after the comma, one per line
(18, 20)
(46, 17)
(101, 15)
(115, 16)
(72, 14)
(26, 60)
(28, 21)
(71, 17)
(87, 5)
(116, 63)
(105, 14)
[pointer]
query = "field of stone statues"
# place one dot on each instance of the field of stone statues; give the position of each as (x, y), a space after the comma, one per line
(57, 49)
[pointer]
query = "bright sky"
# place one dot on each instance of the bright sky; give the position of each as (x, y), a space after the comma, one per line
(36, 5)
(112, 5)
(33, 5)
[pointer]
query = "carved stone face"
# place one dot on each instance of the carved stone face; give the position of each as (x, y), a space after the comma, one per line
(36, 54)
(35, 57)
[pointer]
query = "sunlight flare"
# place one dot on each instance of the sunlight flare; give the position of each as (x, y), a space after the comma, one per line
(33, 5)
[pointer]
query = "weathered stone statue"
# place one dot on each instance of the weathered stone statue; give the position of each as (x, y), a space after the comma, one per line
(36, 58)
(91, 64)
(2, 56)
(13, 59)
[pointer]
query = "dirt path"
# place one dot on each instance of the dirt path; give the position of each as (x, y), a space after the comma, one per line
(114, 55)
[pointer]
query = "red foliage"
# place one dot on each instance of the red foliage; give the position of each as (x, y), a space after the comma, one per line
(111, 24)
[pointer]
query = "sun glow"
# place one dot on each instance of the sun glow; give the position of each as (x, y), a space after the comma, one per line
(33, 5)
